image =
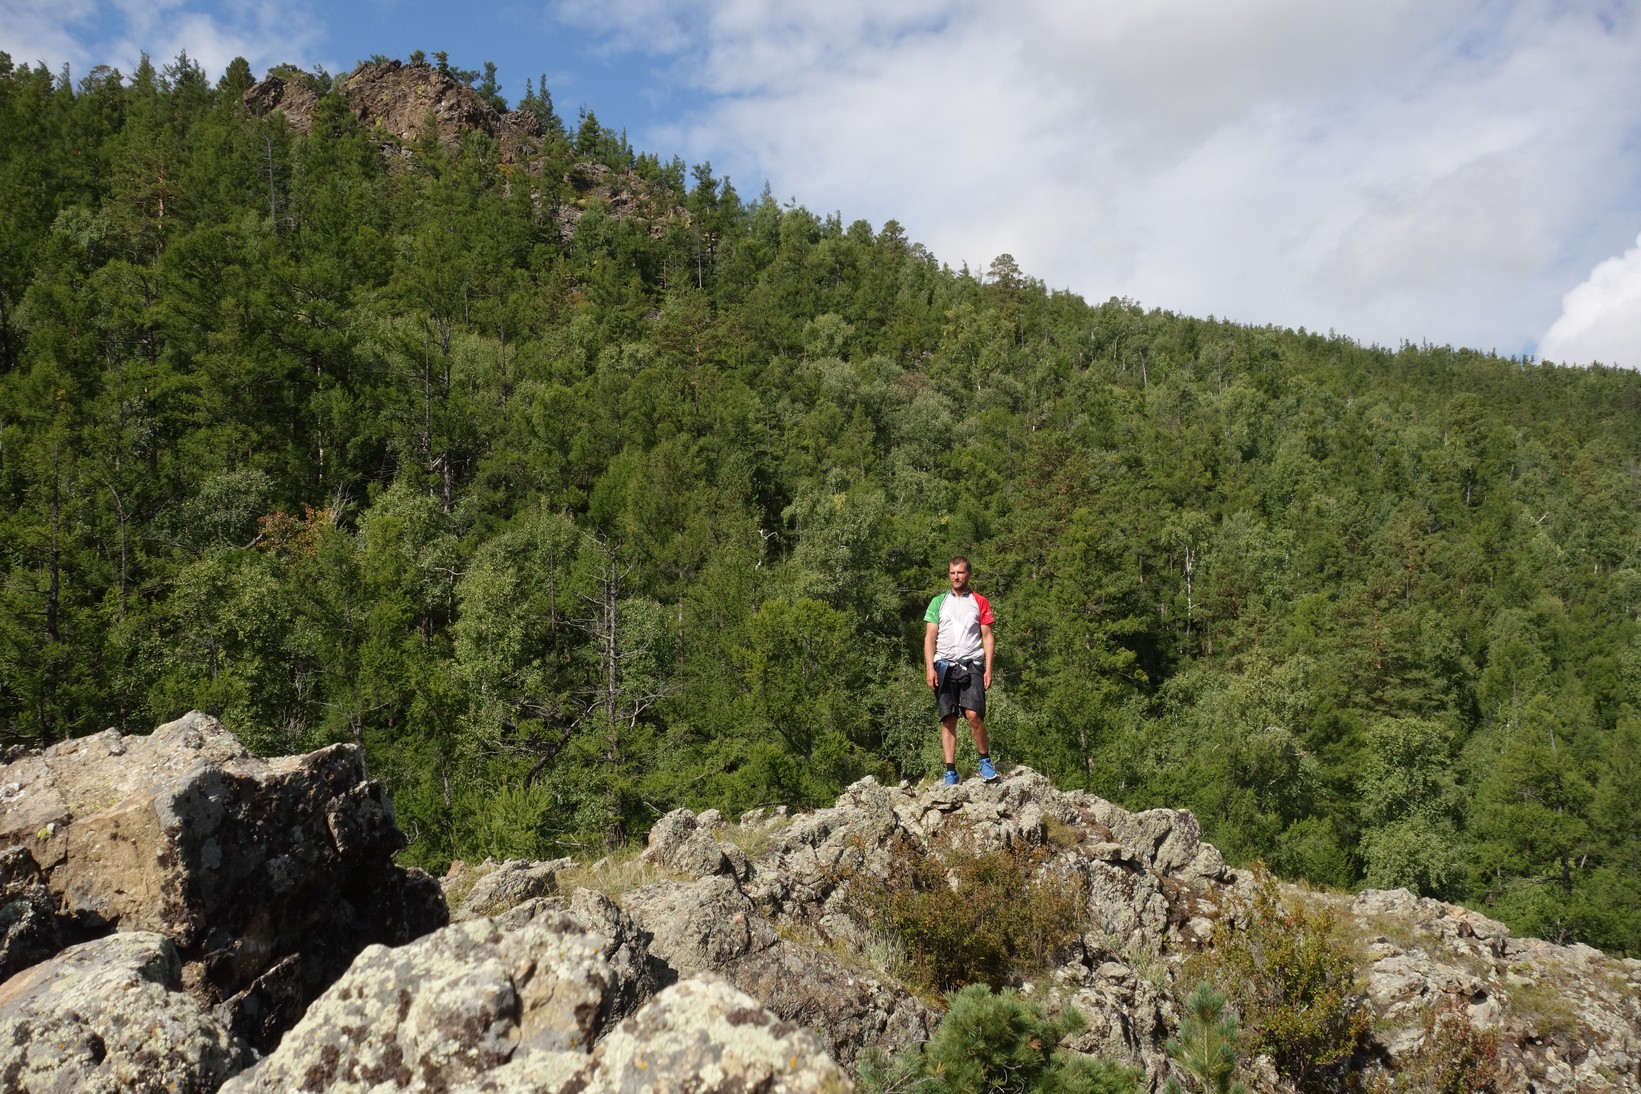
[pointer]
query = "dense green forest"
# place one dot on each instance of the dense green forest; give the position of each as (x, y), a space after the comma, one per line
(572, 515)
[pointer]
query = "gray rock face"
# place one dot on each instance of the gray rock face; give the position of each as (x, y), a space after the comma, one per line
(637, 974)
(495, 887)
(480, 1006)
(712, 925)
(268, 875)
(849, 1007)
(28, 919)
(778, 924)
(110, 1016)
(447, 1009)
(1569, 1016)
(699, 926)
(704, 1037)
(678, 842)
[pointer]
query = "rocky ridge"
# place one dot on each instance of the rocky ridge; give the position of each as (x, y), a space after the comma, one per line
(730, 956)
(401, 104)
(400, 101)
(1568, 1017)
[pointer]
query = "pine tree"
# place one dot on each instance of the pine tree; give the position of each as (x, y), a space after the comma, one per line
(1205, 1048)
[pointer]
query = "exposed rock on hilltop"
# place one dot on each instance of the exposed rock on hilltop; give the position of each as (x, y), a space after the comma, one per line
(780, 924)
(400, 100)
(267, 876)
(731, 957)
(532, 1003)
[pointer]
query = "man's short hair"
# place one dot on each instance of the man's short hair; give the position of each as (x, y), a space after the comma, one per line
(959, 558)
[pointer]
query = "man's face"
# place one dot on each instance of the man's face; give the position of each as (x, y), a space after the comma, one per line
(959, 575)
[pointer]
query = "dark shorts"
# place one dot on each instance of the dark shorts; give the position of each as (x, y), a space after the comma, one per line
(962, 686)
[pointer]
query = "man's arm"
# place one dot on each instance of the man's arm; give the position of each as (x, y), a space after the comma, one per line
(990, 645)
(930, 632)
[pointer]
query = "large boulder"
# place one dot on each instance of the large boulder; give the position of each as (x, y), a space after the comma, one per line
(517, 1004)
(444, 1011)
(699, 926)
(269, 876)
(477, 892)
(110, 1016)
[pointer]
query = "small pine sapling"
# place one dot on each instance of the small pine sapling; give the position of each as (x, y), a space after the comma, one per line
(997, 1042)
(1206, 1046)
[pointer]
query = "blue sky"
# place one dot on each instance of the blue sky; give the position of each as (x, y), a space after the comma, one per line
(1445, 171)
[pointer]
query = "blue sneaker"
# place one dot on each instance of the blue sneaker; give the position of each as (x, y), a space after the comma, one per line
(951, 778)
(987, 772)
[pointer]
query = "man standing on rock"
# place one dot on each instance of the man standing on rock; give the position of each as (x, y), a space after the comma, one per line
(957, 656)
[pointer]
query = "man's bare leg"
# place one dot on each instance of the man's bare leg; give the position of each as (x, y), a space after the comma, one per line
(948, 734)
(948, 738)
(977, 730)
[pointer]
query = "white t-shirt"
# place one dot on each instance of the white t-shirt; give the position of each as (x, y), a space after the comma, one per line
(960, 618)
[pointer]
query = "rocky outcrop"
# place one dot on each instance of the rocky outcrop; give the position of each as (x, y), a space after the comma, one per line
(401, 101)
(289, 96)
(1569, 1016)
(403, 104)
(766, 905)
(461, 1003)
(518, 1006)
(268, 876)
(109, 1017)
(228, 892)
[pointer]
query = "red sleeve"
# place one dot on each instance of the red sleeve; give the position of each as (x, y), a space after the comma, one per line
(985, 611)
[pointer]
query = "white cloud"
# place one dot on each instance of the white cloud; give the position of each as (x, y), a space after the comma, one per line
(1430, 171)
(86, 33)
(36, 31)
(654, 26)
(1437, 170)
(1601, 318)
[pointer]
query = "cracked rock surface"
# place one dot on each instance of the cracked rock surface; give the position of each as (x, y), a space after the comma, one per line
(109, 1017)
(268, 876)
(519, 1006)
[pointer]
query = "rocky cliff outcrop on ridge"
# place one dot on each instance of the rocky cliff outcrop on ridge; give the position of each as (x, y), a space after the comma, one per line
(1568, 1017)
(732, 956)
(266, 876)
(401, 101)
(398, 103)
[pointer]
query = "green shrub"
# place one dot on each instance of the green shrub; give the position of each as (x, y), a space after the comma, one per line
(966, 917)
(1206, 1046)
(997, 1043)
(1454, 1058)
(1295, 979)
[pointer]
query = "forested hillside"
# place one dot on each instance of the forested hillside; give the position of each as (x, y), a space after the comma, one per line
(576, 486)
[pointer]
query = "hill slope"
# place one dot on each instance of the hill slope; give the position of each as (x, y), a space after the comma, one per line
(576, 494)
